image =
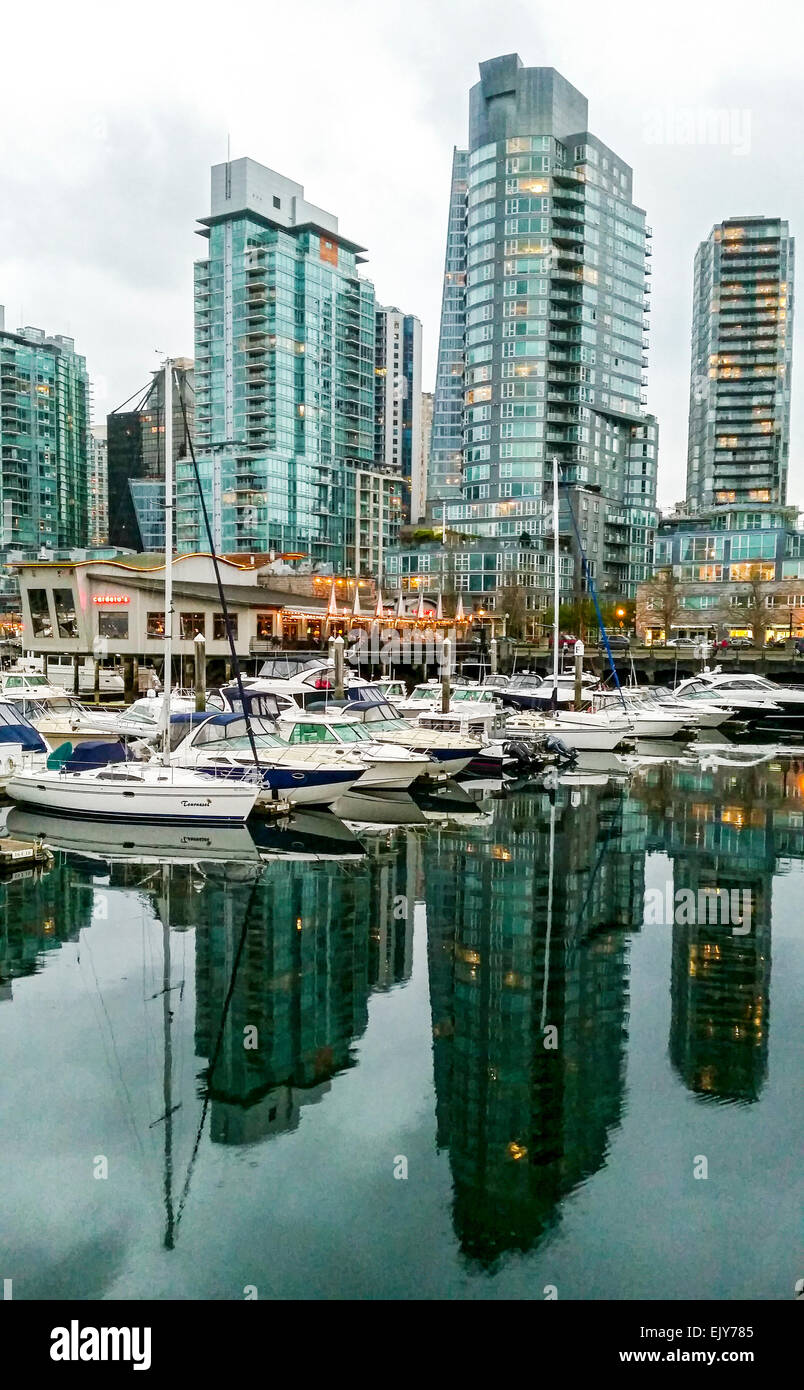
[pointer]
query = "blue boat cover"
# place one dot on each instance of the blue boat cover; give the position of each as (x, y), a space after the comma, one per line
(93, 753)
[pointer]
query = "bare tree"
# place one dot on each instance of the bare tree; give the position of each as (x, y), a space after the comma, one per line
(751, 608)
(513, 604)
(663, 595)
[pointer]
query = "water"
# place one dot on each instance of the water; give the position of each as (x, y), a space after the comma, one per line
(403, 981)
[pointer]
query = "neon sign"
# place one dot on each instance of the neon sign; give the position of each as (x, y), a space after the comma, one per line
(110, 598)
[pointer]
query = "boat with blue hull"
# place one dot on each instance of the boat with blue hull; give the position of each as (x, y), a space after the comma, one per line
(219, 746)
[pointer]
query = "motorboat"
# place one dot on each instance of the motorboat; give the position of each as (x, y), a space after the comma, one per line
(578, 730)
(448, 753)
(386, 765)
(287, 683)
(395, 692)
(20, 742)
(60, 717)
(648, 718)
(753, 699)
(531, 691)
(218, 745)
(145, 718)
(707, 715)
(129, 791)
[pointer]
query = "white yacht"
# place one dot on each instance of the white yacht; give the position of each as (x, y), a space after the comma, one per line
(707, 714)
(578, 730)
(752, 699)
(448, 753)
(218, 745)
(386, 766)
(648, 717)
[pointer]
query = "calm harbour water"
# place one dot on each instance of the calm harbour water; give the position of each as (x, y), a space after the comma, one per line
(400, 979)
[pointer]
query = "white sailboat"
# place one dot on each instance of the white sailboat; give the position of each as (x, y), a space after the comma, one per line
(151, 791)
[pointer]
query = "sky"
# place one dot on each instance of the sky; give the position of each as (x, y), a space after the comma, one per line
(113, 117)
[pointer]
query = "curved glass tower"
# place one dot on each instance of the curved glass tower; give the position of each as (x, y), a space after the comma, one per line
(557, 272)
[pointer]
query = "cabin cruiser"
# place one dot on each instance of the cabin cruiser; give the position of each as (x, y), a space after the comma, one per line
(20, 742)
(60, 717)
(648, 718)
(28, 685)
(144, 719)
(288, 684)
(579, 730)
(395, 692)
(387, 766)
(707, 715)
(448, 753)
(464, 700)
(219, 745)
(754, 699)
(530, 691)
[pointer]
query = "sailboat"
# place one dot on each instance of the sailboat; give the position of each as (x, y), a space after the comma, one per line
(579, 730)
(152, 791)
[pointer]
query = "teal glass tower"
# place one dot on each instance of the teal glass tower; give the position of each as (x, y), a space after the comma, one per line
(446, 438)
(284, 378)
(45, 444)
(557, 274)
(742, 344)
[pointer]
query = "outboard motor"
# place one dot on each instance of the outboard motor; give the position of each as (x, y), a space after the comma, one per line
(520, 752)
(564, 755)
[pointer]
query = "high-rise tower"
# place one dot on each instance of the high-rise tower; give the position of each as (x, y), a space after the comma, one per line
(554, 254)
(285, 387)
(44, 441)
(742, 336)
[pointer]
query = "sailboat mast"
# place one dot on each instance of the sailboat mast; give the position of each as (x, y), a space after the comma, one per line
(167, 1070)
(167, 682)
(556, 577)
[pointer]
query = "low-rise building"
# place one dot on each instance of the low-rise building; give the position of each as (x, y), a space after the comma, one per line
(116, 608)
(717, 569)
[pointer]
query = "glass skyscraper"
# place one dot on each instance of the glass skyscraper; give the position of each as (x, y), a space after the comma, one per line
(284, 361)
(542, 349)
(136, 459)
(398, 399)
(742, 339)
(44, 441)
(446, 436)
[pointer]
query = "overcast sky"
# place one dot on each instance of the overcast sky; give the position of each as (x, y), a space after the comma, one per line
(113, 115)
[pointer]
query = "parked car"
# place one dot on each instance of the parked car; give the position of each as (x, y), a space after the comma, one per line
(618, 642)
(688, 643)
(737, 643)
(565, 641)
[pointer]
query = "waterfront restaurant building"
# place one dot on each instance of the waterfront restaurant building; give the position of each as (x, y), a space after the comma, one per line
(115, 608)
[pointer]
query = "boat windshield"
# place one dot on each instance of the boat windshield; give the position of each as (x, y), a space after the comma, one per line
(328, 733)
(25, 682)
(381, 712)
(242, 741)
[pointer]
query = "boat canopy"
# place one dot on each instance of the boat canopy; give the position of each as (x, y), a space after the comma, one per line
(15, 728)
(257, 702)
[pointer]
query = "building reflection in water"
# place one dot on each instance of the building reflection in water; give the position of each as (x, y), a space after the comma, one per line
(293, 947)
(728, 831)
(40, 909)
(510, 955)
(298, 951)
